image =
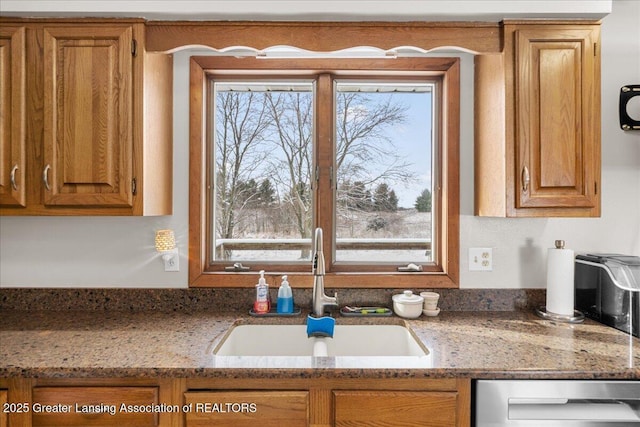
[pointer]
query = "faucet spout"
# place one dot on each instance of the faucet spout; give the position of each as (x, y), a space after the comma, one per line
(320, 300)
(318, 255)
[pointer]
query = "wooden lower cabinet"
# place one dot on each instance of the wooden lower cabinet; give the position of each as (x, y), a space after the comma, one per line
(349, 402)
(247, 408)
(238, 402)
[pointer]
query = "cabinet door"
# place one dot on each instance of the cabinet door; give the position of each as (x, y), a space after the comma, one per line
(395, 408)
(12, 117)
(557, 118)
(88, 137)
(247, 409)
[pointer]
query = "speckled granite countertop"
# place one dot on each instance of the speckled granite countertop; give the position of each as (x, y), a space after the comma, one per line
(512, 344)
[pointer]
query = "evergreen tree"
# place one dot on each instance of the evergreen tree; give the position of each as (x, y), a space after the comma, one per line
(246, 193)
(393, 201)
(266, 193)
(359, 196)
(384, 199)
(423, 201)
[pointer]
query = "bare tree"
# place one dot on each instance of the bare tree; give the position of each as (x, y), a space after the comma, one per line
(365, 153)
(241, 122)
(362, 125)
(291, 115)
(255, 129)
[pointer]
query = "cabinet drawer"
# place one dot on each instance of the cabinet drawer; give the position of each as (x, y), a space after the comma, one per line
(394, 408)
(94, 406)
(247, 408)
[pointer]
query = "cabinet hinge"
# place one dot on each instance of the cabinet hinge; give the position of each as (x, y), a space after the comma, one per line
(134, 47)
(134, 186)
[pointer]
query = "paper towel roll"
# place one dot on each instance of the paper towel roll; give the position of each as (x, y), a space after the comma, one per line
(560, 268)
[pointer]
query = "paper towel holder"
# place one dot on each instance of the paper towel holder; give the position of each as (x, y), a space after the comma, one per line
(578, 316)
(628, 119)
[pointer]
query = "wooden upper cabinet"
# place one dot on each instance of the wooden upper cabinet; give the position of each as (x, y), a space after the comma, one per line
(12, 119)
(557, 105)
(97, 114)
(549, 136)
(88, 101)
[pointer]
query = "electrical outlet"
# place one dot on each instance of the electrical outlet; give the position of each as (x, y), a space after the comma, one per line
(480, 259)
(171, 260)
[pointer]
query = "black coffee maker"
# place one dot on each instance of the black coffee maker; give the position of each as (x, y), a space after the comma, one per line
(607, 289)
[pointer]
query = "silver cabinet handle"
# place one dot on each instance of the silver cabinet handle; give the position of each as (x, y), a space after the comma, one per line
(525, 178)
(45, 177)
(12, 178)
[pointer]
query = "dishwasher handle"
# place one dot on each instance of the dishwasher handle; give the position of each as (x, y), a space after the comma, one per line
(557, 409)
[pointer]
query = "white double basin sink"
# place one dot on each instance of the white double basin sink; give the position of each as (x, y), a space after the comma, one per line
(353, 341)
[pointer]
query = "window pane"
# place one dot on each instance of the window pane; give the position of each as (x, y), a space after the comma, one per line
(262, 203)
(384, 159)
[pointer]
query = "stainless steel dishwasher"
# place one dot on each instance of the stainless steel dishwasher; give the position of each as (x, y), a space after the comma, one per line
(556, 403)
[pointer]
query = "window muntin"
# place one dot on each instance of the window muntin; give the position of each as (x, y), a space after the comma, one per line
(385, 174)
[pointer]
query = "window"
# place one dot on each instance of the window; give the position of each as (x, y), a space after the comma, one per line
(365, 149)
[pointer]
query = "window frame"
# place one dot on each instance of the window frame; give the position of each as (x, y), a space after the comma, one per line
(443, 274)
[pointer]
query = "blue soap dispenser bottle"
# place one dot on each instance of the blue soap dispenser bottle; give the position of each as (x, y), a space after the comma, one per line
(285, 297)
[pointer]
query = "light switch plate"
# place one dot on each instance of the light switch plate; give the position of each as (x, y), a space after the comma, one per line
(480, 259)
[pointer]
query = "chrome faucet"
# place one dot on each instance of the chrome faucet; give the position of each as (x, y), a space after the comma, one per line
(320, 299)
